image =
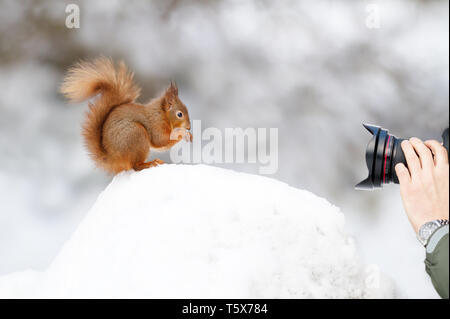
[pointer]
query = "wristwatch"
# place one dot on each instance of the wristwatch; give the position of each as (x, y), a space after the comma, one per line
(427, 229)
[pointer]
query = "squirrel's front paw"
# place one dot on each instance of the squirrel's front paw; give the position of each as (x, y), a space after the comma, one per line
(188, 136)
(180, 133)
(177, 134)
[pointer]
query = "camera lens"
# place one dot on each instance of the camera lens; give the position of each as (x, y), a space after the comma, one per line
(382, 154)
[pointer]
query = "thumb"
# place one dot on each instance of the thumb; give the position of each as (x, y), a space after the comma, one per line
(402, 173)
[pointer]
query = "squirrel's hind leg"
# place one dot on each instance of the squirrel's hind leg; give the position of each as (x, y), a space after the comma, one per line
(128, 145)
(142, 165)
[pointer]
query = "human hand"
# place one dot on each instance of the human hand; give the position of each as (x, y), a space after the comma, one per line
(424, 187)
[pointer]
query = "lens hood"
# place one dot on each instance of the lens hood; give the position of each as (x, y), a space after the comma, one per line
(383, 152)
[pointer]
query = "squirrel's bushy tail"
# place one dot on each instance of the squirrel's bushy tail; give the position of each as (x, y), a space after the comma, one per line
(115, 86)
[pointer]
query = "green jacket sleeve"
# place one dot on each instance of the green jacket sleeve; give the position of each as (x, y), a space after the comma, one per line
(436, 262)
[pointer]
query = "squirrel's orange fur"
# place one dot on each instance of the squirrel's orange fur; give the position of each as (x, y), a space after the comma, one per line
(118, 131)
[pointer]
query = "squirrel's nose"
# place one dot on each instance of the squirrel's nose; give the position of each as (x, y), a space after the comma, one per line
(188, 127)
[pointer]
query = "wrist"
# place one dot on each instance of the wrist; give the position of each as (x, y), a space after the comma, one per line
(419, 220)
(427, 230)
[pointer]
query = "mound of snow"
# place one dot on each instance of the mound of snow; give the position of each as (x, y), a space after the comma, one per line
(179, 231)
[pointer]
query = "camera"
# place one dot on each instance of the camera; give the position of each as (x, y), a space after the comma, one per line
(382, 154)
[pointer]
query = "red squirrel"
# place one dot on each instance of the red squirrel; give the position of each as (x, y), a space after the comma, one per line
(118, 131)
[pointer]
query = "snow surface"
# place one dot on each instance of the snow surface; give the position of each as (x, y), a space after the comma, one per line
(196, 231)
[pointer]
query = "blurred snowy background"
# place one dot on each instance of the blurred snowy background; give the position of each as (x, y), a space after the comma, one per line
(311, 68)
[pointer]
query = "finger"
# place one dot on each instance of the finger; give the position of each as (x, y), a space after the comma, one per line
(425, 155)
(411, 158)
(402, 174)
(440, 153)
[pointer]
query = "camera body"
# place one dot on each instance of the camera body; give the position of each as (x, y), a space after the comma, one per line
(382, 154)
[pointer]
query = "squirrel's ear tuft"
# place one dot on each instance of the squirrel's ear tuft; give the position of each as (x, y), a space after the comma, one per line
(172, 90)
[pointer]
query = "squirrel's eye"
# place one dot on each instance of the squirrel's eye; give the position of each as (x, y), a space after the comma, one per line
(179, 114)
